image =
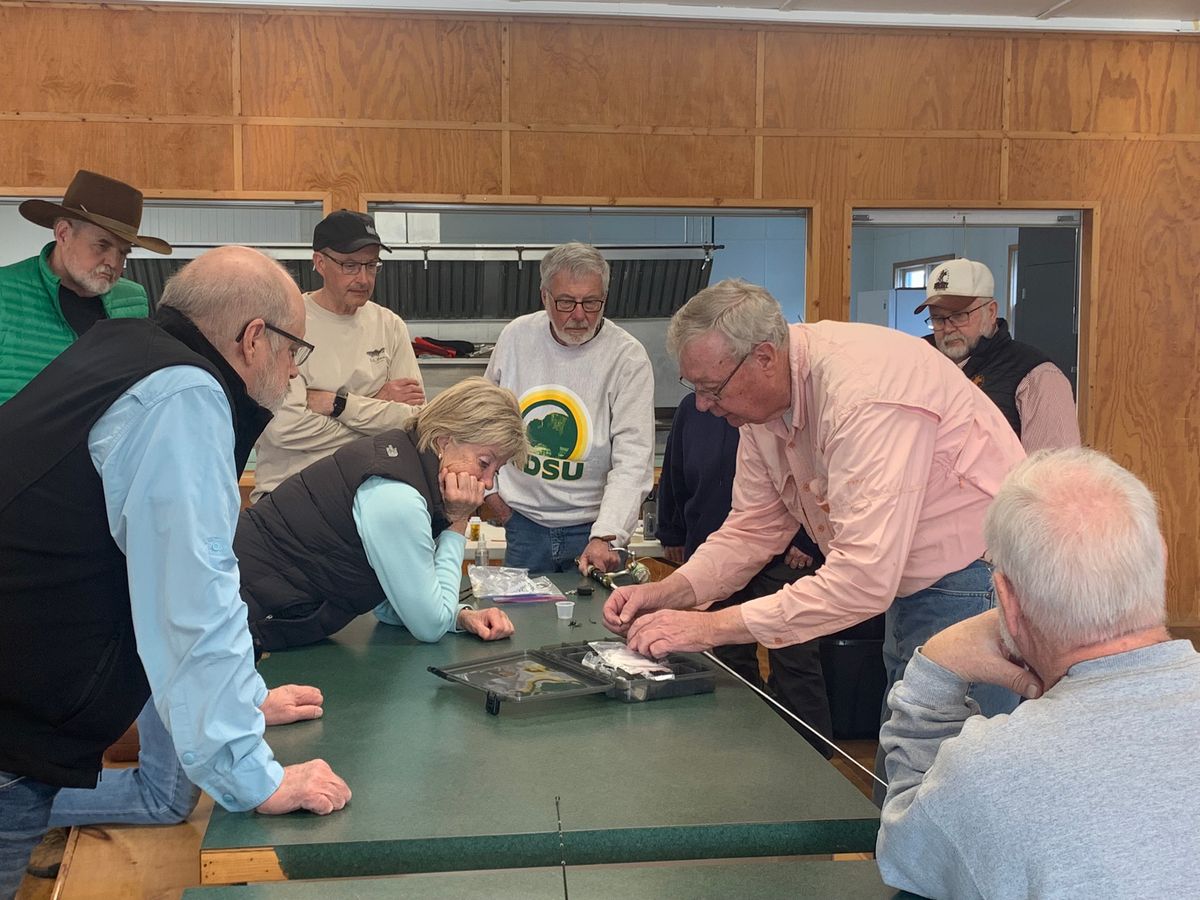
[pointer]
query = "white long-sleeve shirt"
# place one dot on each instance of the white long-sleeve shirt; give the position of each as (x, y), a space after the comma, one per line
(589, 415)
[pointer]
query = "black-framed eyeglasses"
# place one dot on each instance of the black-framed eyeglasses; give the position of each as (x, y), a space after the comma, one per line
(958, 319)
(298, 347)
(714, 393)
(353, 266)
(589, 304)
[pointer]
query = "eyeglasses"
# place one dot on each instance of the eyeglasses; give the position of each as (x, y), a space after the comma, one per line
(589, 304)
(714, 393)
(299, 348)
(958, 319)
(353, 266)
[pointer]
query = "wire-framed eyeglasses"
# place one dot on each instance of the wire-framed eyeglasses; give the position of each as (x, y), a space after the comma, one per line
(714, 393)
(958, 319)
(298, 347)
(353, 266)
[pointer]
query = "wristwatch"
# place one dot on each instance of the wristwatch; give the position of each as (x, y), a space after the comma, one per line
(339, 405)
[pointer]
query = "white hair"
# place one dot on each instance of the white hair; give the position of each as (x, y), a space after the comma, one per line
(1078, 538)
(577, 259)
(744, 314)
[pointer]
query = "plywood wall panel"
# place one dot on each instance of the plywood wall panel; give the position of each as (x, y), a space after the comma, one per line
(882, 169)
(127, 62)
(620, 165)
(632, 75)
(349, 161)
(369, 67)
(1106, 85)
(187, 157)
(1144, 356)
(897, 82)
(954, 171)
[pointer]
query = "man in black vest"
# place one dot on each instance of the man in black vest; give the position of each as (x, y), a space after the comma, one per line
(118, 504)
(1030, 390)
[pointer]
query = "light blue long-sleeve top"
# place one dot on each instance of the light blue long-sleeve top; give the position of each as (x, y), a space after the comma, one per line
(164, 451)
(420, 575)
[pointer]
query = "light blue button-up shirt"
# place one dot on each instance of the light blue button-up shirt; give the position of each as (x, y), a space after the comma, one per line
(164, 451)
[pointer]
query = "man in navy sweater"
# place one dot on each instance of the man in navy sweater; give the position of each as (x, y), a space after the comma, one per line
(695, 493)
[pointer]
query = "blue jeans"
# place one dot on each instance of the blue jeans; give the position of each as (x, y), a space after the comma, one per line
(24, 814)
(911, 621)
(156, 792)
(540, 549)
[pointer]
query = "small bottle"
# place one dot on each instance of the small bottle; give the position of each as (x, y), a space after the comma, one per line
(481, 550)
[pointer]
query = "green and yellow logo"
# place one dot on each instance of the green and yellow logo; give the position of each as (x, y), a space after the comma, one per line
(559, 432)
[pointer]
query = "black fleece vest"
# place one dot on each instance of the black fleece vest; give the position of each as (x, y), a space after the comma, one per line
(998, 365)
(305, 573)
(71, 680)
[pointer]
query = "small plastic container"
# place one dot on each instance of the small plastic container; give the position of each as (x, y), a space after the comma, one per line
(565, 608)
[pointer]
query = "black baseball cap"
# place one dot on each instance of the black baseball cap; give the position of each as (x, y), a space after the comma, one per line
(346, 231)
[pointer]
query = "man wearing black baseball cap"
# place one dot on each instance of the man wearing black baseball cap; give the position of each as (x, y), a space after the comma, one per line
(365, 380)
(48, 300)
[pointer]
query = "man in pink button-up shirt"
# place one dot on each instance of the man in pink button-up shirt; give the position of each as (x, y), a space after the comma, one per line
(870, 439)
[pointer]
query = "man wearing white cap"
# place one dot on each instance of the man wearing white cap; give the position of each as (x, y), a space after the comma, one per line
(1032, 392)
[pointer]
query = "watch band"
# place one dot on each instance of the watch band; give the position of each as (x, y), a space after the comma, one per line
(339, 405)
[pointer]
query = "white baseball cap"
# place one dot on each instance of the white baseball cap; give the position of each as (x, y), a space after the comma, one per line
(958, 278)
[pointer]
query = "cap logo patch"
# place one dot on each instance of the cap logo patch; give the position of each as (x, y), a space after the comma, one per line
(943, 280)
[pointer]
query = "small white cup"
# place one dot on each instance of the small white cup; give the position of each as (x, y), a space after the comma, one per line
(566, 608)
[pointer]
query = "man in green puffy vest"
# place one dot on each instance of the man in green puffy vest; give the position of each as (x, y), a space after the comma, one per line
(49, 300)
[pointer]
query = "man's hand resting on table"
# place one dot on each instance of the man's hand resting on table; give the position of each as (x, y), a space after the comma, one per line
(312, 786)
(489, 624)
(292, 703)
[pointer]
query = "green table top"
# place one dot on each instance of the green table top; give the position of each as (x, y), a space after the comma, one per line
(440, 785)
(744, 880)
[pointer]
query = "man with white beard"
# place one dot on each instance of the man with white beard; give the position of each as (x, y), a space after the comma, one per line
(1032, 392)
(49, 300)
(586, 392)
(1083, 789)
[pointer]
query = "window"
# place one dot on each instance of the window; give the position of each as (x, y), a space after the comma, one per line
(915, 273)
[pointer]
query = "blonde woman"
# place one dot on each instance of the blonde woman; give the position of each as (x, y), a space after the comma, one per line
(380, 526)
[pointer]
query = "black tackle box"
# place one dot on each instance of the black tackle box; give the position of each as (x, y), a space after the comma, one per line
(556, 671)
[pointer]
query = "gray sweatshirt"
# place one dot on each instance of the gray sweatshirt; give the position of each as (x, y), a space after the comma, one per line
(1089, 791)
(589, 414)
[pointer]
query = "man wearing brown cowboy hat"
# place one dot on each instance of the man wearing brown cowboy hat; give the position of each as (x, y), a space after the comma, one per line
(48, 300)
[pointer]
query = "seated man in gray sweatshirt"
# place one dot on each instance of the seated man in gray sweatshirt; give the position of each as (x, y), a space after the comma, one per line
(1084, 790)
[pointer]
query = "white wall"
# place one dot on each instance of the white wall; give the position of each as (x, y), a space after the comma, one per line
(199, 222)
(875, 250)
(19, 238)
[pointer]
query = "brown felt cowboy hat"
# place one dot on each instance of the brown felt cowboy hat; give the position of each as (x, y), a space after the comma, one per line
(103, 201)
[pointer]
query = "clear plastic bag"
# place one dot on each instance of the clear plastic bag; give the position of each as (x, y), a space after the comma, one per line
(501, 584)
